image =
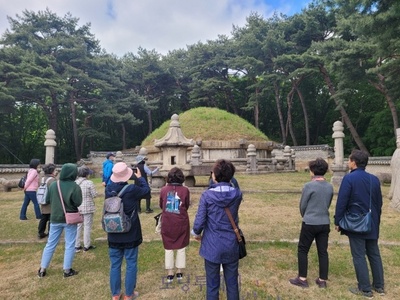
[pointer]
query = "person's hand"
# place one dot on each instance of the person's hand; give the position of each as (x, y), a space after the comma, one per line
(138, 174)
(103, 184)
(198, 238)
(337, 228)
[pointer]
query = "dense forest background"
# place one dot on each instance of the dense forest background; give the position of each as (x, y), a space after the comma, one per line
(291, 77)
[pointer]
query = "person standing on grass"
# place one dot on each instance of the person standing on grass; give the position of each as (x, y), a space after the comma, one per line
(49, 177)
(315, 201)
(175, 229)
(126, 244)
(87, 209)
(145, 171)
(364, 189)
(107, 168)
(212, 227)
(72, 197)
(30, 188)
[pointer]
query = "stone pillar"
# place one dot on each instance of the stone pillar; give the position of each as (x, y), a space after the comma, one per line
(196, 156)
(251, 159)
(287, 154)
(119, 157)
(50, 144)
(339, 167)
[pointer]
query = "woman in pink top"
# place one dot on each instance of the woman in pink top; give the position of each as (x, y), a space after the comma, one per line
(31, 185)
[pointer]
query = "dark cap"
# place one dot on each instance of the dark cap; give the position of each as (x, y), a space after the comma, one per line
(110, 154)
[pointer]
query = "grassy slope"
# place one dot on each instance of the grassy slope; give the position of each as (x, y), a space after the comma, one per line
(210, 124)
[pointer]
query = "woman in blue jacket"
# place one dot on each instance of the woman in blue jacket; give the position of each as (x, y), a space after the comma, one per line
(213, 228)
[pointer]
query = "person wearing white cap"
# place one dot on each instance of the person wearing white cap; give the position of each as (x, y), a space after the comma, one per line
(145, 170)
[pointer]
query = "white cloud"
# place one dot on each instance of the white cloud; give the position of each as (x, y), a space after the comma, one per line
(124, 25)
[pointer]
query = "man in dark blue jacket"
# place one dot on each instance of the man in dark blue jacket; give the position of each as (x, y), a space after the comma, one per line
(364, 189)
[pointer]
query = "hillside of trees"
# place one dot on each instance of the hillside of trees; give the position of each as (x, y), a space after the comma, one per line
(291, 77)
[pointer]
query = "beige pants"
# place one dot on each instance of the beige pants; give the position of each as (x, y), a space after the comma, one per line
(180, 262)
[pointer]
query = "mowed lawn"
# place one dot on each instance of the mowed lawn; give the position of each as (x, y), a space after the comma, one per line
(269, 218)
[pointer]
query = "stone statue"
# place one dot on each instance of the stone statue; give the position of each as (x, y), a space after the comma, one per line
(394, 192)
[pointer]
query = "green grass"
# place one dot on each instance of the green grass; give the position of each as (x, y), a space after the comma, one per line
(270, 221)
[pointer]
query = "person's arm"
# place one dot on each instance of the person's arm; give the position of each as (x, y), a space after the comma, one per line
(305, 197)
(201, 217)
(343, 199)
(30, 177)
(92, 189)
(142, 188)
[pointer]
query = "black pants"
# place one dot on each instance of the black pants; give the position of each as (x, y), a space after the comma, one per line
(307, 235)
(148, 200)
(44, 220)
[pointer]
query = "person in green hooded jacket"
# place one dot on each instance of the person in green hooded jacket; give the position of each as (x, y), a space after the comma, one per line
(72, 196)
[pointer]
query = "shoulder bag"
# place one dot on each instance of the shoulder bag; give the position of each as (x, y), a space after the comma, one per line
(239, 235)
(70, 217)
(358, 222)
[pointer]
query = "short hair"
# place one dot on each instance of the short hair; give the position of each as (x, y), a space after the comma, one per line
(318, 166)
(223, 170)
(49, 169)
(175, 175)
(83, 171)
(359, 157)
(34, 163)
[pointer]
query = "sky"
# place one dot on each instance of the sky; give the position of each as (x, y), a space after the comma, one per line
(123, 26)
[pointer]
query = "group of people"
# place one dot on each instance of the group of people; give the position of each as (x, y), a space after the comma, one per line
(359, 192)
(43, 211)
(212, 223)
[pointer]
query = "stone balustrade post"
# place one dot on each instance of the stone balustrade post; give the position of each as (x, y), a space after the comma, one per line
(252, 166)
(50, 144)
(339, 167)
(196, 156)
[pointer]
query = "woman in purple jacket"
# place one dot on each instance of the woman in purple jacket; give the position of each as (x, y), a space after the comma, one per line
(213, 228)
(175, 229)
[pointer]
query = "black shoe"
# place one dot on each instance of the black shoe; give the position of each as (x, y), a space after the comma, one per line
(43, 235)
(297, 281)
(179, 276)
(149, 210)
(357, 291)
(78, 249)
(41, 274)
(321, 283)
(71, 272)
(91, 247)
(170, 278)
(23, 219)
(380, 291)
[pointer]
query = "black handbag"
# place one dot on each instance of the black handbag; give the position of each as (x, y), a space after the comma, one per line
(21, 183)
(239, 235)
(357, 222)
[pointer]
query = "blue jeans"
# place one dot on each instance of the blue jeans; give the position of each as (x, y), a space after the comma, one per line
(56, 230)
(30, 196)
(231, 273)
(116, 257)
(307, 235)
(359, 248)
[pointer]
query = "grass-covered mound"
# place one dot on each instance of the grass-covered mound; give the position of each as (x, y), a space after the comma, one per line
(210, 124)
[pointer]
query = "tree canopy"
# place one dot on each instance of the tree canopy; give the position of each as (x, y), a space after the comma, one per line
(290, 77)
